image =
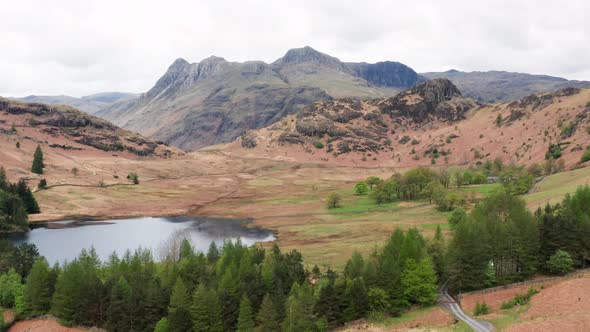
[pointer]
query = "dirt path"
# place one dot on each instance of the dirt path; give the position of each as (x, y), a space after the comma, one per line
(536, 185)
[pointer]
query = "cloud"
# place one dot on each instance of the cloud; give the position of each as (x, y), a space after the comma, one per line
(82, 47)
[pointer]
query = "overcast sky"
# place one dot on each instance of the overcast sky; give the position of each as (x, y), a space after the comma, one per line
(79, 47)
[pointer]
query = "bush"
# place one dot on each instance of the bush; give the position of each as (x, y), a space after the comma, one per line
(560, 263)
(334, 200)
(520, 299)
(361, 188)
(133, 177)
(42, 184)
(318, 145)
(586, 156)
(481, 309)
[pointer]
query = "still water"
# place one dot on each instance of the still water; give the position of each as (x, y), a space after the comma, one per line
(64, 240)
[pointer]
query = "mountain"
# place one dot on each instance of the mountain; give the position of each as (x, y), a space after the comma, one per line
(432, 123)
(65, 131)
(198, 104)
(502, 86)
(89, 104)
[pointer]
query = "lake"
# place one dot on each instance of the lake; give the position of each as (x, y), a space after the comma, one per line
(60, 241)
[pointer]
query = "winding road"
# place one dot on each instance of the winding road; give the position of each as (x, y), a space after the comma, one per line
(448, 303)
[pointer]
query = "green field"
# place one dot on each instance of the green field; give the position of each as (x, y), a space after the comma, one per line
(556, 186)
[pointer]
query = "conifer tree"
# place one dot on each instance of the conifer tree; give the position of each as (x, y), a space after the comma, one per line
(119, 318)
(245, 316)
(212, 253)
(38, 164)
(356, 299)
(37, 296)
(205, 311)
(179, 317)
(162, 325)
(267, 319)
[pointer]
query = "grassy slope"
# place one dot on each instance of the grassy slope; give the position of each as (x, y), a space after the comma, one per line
(554, 187)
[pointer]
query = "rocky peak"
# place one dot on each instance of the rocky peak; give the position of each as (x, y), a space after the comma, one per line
(307, 54)
(434, 99)
(436, 91)
(209, 67)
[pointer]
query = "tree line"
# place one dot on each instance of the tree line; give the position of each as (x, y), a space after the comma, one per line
(501, 241)
(232, 288)
(16, 202)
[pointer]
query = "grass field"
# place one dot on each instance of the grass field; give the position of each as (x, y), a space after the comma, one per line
(556, 186)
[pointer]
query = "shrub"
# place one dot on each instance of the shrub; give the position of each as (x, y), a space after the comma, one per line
(334, 200)
(133, 177)
(560, 263)
(42, 184)
(481, 309)
(520, 299)
(75, 171)
(586, 156)
(318, 145)
(361, 188)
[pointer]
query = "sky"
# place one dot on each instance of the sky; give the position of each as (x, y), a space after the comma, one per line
(80, 47)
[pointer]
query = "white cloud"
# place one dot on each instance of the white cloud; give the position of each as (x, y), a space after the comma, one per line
(80, 47)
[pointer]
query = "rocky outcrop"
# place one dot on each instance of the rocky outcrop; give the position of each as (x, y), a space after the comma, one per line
(435, 99)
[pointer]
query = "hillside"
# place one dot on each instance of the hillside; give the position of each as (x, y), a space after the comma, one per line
(64, 134)
(198, 104)
(90, 104)
(502, 86)
(430, 124)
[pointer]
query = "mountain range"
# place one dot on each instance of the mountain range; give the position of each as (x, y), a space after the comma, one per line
(89, 104)
(194, 105)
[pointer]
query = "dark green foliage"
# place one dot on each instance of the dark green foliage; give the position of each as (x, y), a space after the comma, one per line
(245, 316)
(437, 251)
(501, 231)
(566, 226)
(267, 319)
(555, 151)
(38, 165)
(38, 289)
(119, 309)
(29, 201)
(205, 310)
(520, 299)
(499, 120)
(318, 145)
(179, 316)
(560, 263)
(20, 258)
(355, 296)
(457, 216)
(586, 156)
(42, 184)
(133, 178)
(481, 309)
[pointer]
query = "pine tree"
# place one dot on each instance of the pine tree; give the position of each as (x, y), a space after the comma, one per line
(356, 299)
(205, 311)
(245, 317)
(437, 251)
(37, 296)
(119, 318)
(179, 316)
(299, 309)
(29, 201)
(419, 282)
(3, 179)
(267, 319)
(38, 164)
(212, 253)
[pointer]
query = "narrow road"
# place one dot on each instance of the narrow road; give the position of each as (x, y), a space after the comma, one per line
(447, 302)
